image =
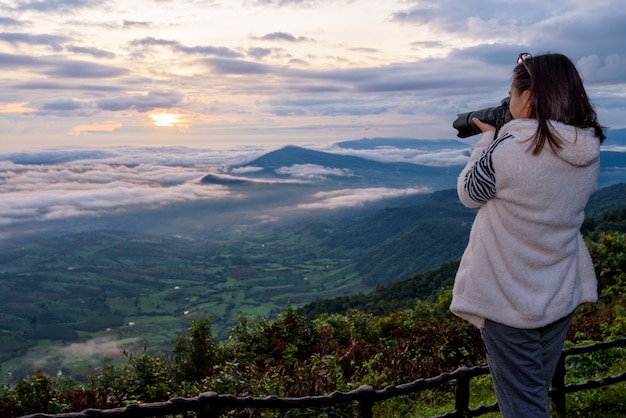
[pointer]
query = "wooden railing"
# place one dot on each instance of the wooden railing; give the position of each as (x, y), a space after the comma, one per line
(212, 405)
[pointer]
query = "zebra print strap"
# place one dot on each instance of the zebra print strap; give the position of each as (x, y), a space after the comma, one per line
(480, 180)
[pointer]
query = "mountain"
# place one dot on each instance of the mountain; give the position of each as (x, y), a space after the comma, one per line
(615, 137)
(336, 170)
(330, 170)
(396, 242)
(403, 143)
(606, 199)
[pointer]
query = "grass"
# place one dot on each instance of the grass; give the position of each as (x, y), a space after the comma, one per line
(606, 402)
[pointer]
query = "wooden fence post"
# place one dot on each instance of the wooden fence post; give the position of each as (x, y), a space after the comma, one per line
(462, 395)
(209, 405)
(366, 402)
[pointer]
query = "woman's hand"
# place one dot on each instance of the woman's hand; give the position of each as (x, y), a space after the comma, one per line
(484, 127)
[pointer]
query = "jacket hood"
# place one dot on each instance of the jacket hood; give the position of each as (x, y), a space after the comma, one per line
(580, 148)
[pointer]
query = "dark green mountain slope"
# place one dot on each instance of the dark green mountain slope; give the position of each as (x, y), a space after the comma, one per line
(606, 199)
(393, 297)
(395, 243)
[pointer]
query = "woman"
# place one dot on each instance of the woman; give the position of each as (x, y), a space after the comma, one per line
(526, 267)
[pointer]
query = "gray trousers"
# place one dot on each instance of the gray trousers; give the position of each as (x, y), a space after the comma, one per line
(522, 363)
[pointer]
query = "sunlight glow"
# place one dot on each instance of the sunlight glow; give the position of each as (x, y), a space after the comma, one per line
(166, 119)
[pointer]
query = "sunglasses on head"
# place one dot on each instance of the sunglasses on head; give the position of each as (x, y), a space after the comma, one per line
(522, 58)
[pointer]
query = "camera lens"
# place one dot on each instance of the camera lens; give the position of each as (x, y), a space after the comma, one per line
(496, 116)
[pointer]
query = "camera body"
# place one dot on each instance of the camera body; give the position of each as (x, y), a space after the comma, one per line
(496, 116)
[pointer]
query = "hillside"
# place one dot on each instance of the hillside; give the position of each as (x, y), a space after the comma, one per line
(385, 299)
(395, 243)
(399, 295)
(606, 199)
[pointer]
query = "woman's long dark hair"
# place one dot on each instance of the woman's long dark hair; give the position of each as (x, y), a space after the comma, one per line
(557, 93)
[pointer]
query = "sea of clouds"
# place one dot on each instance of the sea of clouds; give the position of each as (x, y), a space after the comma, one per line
(59, 184)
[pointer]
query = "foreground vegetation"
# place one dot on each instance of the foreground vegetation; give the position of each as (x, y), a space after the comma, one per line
(296, 355)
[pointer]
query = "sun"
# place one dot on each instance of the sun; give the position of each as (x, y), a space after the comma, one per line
(166, 119)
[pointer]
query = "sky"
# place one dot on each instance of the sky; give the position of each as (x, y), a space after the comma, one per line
(109, 105)
(225, 73)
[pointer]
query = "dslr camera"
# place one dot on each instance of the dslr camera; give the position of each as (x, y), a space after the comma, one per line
(496, 116)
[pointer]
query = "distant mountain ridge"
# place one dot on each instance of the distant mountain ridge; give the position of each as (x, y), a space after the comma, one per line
(425, 144)
(356, 171)
(350, 171)
(615, 137)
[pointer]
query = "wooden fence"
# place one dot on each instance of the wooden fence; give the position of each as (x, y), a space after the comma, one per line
(212, 405)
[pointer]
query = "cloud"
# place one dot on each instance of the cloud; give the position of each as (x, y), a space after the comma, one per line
(65, 108)
(610, 69)
(132, 23)
(63, 105)
(348, 198)
(453, 16)
(97, 348)
(61, 191)
(281, 36)
(64, 184)
(53, 41)
(49, 85)
(259, 53)
(58, 6)
(96, 127)
(218, 51)
(7, 21)
(15, 108)
(91, 352)
(313, 171)
(19, 61)
(83, 69)
(281, 3)
(365, 50)
(237, 67)
(246, 170)
(141, 103)
(442, 157)
(94, 52)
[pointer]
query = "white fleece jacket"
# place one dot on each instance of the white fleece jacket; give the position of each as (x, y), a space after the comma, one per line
(526, 264)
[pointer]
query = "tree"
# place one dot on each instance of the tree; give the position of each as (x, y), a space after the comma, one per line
(195, 351)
